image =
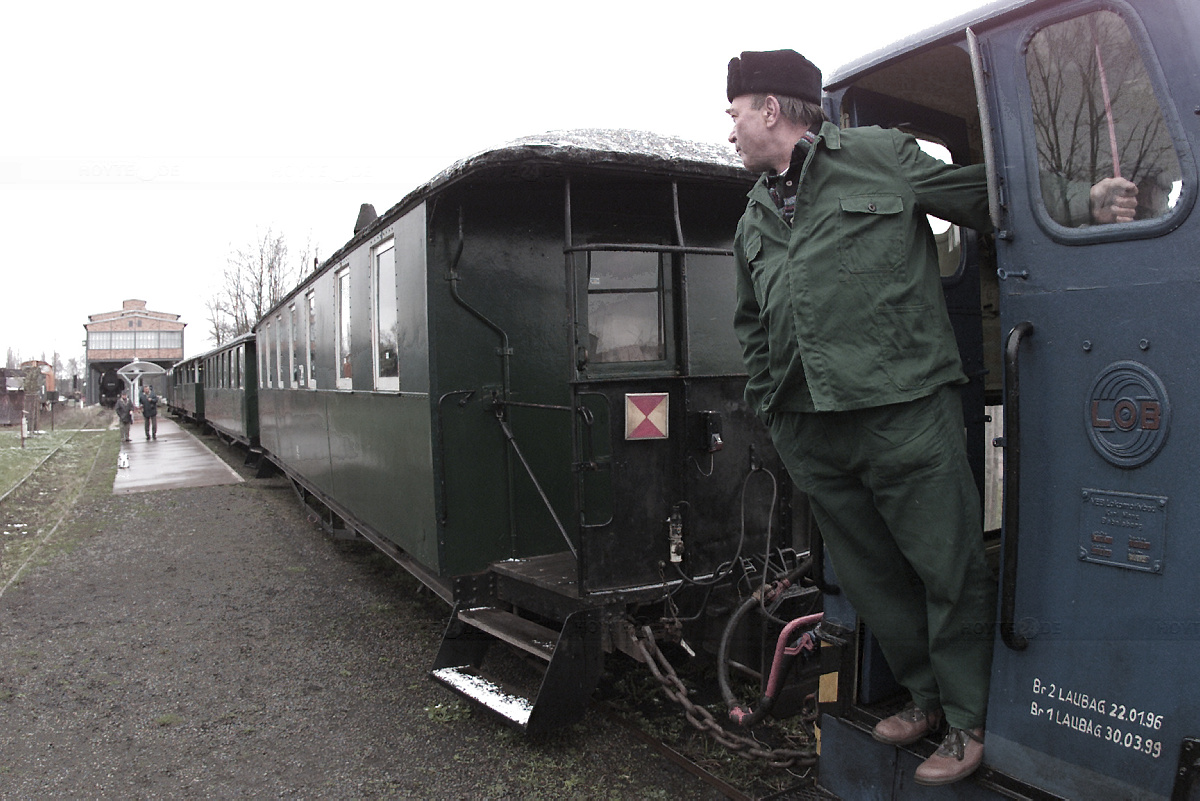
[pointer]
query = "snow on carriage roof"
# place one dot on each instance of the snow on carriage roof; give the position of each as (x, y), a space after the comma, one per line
(639, 151)
(605, 148)
(637, 143)
(595, 147)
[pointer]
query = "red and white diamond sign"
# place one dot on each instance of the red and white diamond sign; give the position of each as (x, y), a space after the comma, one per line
(646, 415)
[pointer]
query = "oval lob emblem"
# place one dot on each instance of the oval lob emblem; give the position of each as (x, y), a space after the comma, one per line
(1128, 414)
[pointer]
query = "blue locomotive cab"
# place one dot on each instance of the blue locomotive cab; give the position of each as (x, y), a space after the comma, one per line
(1073, 323)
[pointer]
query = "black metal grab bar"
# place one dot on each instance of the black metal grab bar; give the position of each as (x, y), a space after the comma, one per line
(1012, 486)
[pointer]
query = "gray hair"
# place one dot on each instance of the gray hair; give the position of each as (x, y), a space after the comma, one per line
(795, 110)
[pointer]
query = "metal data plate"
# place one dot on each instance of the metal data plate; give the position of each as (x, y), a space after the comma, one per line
(1123, 529)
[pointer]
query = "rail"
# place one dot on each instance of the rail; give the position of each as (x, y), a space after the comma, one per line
(1012, 486)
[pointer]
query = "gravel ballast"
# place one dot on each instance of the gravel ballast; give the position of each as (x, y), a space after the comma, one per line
(213, 643)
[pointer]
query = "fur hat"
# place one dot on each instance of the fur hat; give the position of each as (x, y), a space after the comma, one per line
(775, 72)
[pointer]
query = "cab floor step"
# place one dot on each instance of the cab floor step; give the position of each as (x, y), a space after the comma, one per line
(531, 637)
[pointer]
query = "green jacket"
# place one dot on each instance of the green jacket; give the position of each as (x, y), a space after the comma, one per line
(844, 309)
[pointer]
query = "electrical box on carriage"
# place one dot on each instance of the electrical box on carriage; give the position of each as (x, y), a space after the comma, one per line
(1077, 337)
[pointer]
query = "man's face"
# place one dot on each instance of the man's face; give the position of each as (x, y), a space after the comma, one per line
(750, 134)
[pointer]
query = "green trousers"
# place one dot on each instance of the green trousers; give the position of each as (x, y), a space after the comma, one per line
(899, 512)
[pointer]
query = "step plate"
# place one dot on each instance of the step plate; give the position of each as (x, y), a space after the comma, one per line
(469, 684)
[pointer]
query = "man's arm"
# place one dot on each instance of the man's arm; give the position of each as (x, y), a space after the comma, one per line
(747, 324)
(952, 192)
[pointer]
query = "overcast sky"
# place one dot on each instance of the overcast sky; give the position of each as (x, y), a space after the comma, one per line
(142, 143)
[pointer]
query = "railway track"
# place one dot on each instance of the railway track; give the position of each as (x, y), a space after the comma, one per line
(43, 519)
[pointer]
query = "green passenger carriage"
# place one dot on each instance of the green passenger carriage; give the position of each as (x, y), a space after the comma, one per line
(522, 382)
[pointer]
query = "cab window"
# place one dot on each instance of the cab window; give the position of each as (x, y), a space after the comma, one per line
(1095, 116)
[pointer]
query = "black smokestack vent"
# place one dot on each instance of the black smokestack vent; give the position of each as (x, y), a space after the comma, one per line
(366, 216)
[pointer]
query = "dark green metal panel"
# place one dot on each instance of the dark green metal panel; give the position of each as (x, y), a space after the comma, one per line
(499, 333)
(382, 471)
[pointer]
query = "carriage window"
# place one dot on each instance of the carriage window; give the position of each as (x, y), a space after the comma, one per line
(344, 371)
(1097, 119)
(625, 307)
(387, 318)
(278, 355)
(265, 360)
(299, 374)
(311, 328)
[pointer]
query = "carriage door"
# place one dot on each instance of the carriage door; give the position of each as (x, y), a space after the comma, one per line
(1094, 680)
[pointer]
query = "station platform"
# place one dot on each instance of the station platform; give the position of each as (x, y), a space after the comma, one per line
(176, 459)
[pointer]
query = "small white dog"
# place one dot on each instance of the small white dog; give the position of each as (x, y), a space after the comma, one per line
(122, 460)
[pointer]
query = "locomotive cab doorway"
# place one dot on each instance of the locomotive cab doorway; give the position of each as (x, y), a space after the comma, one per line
(1084, 325)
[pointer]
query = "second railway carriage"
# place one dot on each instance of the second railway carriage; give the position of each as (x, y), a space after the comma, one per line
(230, 397)
(522, 381)
(219, 390)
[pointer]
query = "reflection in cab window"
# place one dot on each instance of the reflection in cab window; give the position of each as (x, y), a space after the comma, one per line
(625, 307)
(1104, 151)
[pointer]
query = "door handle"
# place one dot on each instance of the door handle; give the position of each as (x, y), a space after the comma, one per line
(1012, 485)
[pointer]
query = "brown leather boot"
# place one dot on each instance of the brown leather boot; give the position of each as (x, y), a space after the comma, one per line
(907, 726)
(959, 755)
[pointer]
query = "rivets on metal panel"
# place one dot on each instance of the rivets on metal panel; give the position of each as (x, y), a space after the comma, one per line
(1087, 346)
(1144, 344)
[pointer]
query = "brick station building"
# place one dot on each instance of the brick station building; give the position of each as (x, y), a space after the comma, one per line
(114, 339)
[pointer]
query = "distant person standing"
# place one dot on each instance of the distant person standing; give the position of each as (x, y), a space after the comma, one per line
(149, 402)
(124, 410)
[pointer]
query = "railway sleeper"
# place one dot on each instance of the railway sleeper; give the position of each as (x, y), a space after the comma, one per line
(569, 662)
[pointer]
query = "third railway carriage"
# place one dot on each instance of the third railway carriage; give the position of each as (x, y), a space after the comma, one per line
(185, 389)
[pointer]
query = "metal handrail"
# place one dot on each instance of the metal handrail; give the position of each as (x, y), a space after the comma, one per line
(1012, 486)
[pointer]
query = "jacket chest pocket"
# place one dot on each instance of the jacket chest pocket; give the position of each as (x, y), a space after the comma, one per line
(871, 235)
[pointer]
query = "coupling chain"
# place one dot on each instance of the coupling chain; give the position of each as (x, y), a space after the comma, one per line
(703, 720)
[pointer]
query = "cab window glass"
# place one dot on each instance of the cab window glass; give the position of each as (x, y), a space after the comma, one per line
(1096, 117)
(625, 318)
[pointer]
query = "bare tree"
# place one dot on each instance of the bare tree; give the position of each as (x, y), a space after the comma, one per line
(1095, 115)
(255, 279)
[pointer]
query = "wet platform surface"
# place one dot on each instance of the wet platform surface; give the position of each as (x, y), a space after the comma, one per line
(176, 459)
